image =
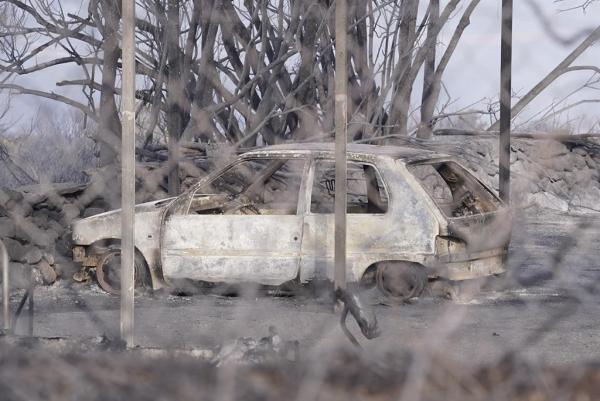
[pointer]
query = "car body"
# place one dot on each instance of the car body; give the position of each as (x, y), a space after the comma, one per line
(267, 218)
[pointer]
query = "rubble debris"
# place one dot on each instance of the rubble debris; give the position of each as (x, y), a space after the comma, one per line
(340, 375)
(250, 351)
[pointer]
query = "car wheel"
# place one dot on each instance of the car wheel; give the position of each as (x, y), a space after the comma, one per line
(108, 272)
(400, 281)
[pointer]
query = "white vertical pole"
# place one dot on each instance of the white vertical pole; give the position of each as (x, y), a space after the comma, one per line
(341, 133)
(5, 286)
(128, 172)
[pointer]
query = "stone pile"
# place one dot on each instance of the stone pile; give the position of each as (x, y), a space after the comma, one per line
(561, 175)
(35, 219)
(34, 223)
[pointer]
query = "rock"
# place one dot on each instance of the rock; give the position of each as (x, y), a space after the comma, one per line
(92, 211)
(64, 244)
(40, 221)
(579, 161)
(544, 184)
(56, 226)
(548, 201)
(61, 271)
(551, 149)
(588, 199)
(70, 212)
(559, 187)
(15, 250)
(49, 275)
(26, 231)
(13, 202)
(591, 163)
(65, 267)
(34, 198)
(32, 255)
(99, 204)
(37, 276)
(8, 194)
(52, 235)
(7, 227)
(518, 167)
(584, 177)
(48, 257)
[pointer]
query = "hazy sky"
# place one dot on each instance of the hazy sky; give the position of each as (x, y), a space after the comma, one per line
(472, 74)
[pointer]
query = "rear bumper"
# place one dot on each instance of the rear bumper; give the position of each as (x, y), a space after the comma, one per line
(465, 266)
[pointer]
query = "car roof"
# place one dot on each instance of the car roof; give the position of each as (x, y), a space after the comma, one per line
(405, 153)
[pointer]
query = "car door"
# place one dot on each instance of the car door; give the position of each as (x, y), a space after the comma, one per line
(367, 206)
(253, 237)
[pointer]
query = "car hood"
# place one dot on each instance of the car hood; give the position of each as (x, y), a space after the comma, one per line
(108, 225)
(141, 208)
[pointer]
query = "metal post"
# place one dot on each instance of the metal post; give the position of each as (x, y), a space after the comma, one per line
(174, 99)
(505, 98)
(341, 99)
(128, 172)
(5, 287)
(30, 305)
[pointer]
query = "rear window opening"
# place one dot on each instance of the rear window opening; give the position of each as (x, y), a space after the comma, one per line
(454, 190)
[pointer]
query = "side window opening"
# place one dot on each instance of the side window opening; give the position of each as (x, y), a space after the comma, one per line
(454, 190)
(266, 186)
(366, 192)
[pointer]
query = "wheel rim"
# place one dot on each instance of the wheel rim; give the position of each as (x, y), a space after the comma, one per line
(108, 272)
(400, 283)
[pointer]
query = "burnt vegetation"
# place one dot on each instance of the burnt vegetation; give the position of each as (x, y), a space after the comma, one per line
(247, 73)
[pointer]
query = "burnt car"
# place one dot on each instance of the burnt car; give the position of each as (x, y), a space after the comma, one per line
(268, 218)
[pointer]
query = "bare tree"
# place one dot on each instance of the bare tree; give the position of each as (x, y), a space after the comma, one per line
(238, 72)
(229, 71)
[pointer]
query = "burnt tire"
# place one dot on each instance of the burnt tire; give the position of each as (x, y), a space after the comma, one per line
(400, 281)
(108, 272)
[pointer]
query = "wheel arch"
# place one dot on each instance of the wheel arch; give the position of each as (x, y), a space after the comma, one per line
(141, 255)
(367, 273)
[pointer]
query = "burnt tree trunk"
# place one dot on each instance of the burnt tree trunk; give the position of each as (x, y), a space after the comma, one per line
(109, 129)
(428, 101)
(435, 82)
(403, 91)
(175, 95)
